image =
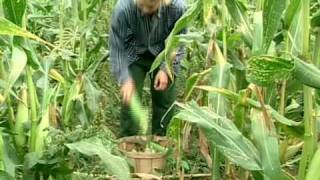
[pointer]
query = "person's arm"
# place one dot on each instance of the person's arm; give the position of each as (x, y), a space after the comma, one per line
(118, 52)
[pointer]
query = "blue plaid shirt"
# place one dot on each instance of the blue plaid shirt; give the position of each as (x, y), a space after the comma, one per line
(132, 33)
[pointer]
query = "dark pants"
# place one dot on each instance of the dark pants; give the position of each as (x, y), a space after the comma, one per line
(161, 100)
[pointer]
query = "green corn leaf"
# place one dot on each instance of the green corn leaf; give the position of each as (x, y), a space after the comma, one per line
(93, 147)
(223, 134)
(220, 78)
(307, 74)
(17, 64)
(272, 13)
(313, 171)
(257, 45)
(267, 144)
(236, 98)
(192, 82)
(14, 10)
(239, 15)
(10, 29)
(266, 70)
(72, 94)
(291, 12)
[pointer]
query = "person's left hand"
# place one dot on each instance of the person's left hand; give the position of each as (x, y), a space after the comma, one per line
(161, 81)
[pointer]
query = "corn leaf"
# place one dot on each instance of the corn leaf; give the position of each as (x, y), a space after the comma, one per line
(272, 13)
(267, 144)
(307, 74)
(291, 12)
(17, 64)
(220, 78)
(93, 147)
(313, 171)
(257, 45)
(14, 10)
(10, 29)
(223, 134)
(236, 98)
(238, 13)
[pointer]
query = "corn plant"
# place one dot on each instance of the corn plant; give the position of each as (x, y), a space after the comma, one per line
(279, 54)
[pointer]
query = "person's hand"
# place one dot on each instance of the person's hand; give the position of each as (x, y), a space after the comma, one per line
(161, 81)
(127, 91)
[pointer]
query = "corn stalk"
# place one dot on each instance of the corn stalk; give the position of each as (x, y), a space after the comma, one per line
(309, 120)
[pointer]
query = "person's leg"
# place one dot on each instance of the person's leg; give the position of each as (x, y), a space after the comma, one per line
(127, 124)
(161, 103)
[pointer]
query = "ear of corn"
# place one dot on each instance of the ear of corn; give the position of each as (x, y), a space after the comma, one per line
(22, 118)
(54, 74)
(139, 114)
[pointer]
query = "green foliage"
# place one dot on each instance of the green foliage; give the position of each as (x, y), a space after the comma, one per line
(265, 70)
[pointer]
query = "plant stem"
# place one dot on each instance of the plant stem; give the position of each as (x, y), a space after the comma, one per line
(309, 121)
(83, 42)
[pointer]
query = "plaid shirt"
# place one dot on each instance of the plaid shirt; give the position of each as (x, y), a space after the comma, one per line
(132, 33)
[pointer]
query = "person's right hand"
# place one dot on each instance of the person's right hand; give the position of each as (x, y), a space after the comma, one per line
(127, 91)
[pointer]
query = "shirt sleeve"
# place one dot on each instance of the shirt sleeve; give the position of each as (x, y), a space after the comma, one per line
(118, 53)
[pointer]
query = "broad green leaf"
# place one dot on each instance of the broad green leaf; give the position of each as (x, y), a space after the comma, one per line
(220, 78)
(236, 98)
(72, 94)
(17, 64)
(223, 134)
(272, 13)
(14, 10)
(291, 12)
(238, 13)
(313, 171)
(266, 70)
(92, 95)
(10, 29)
(307, 74)
(192, 82)
(257, 45)
(267, 144)
(114, 164)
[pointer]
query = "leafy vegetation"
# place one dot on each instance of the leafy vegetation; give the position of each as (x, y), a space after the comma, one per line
(248, 102)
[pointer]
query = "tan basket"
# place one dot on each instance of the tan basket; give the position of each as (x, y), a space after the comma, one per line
(144, 162)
